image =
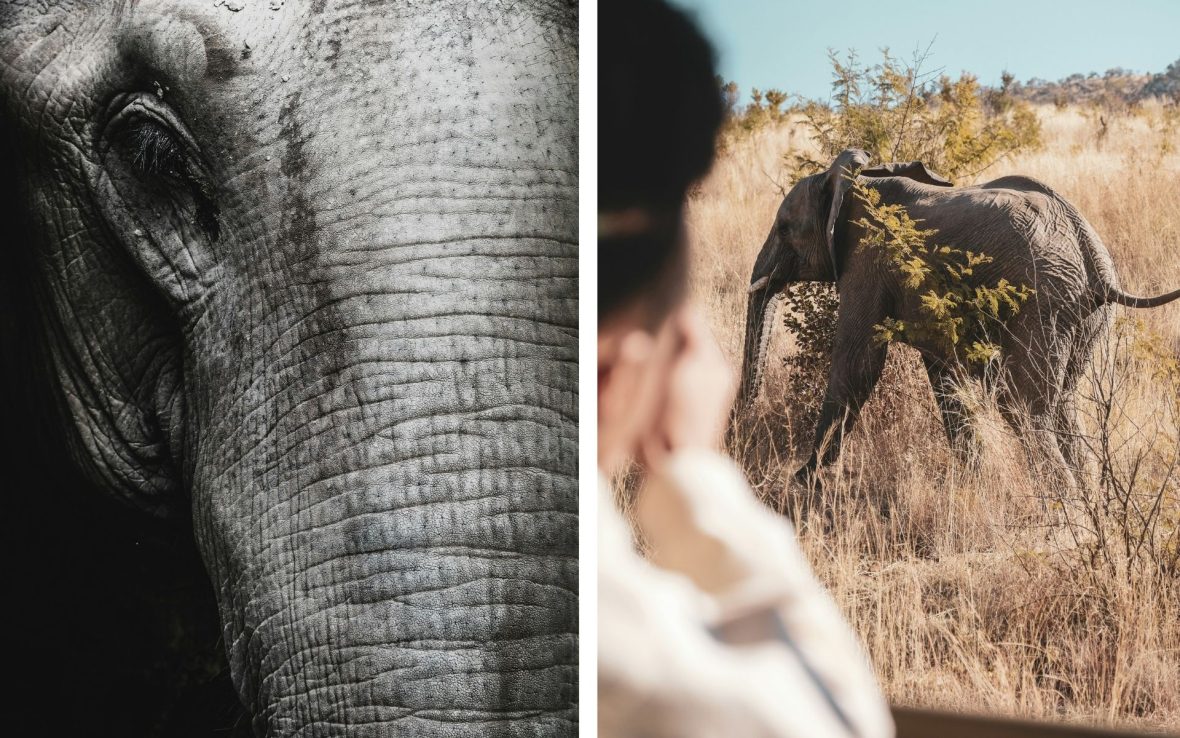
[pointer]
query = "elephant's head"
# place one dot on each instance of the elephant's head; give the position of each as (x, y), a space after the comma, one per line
(803, 246)
(307, 272)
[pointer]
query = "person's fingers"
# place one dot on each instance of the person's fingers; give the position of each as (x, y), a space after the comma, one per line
(636, 348)
(632, 402)
(694, 331)
(659, 391)
(702, 345)
(654, 448)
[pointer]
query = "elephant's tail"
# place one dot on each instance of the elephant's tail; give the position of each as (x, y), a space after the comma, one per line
(1117, 296)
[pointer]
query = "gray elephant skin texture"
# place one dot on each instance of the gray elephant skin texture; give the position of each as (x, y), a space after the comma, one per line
(1034, 237)
(296, 282)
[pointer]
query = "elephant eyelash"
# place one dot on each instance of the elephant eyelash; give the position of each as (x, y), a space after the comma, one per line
(155, 151)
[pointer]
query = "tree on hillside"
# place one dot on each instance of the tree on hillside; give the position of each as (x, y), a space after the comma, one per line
(898, 112)
(1165, 85)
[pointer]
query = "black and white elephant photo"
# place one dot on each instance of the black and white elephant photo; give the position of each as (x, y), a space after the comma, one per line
(288, 324)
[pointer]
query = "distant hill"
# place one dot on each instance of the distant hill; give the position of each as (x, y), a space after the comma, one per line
(1114, 86)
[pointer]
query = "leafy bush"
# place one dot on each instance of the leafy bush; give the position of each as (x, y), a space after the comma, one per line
(1165, 85)
(896, 113)
(814, 337)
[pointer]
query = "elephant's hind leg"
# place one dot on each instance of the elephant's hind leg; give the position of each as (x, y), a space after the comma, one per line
(1069, 434)
(1030, 399)
(1039, 436)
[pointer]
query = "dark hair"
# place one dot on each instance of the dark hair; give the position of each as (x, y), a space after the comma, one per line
(658, 116)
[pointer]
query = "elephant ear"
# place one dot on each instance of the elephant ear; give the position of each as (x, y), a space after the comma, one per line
(838, 181)
(914, 170)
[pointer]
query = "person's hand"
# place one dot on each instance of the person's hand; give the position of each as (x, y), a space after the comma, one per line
(699, 391)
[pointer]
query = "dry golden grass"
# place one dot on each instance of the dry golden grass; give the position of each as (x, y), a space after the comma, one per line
(967, 595)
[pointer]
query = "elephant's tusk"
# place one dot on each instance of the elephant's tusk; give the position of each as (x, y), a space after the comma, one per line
(758, 284)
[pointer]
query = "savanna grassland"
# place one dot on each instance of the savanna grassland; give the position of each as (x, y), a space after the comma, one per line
(968, 594)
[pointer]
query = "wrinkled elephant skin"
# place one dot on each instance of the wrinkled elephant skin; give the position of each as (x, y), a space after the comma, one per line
(307, 272)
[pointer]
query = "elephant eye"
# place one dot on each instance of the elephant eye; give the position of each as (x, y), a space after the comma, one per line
(149, 143)
(152, 141)
(153, 150)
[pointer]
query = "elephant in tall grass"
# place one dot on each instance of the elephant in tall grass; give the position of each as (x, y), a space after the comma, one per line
(303, 276)
(1034, 238)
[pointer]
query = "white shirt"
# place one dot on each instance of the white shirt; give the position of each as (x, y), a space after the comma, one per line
(723, 630)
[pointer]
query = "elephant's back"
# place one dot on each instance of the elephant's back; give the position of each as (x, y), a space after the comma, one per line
(1065, 225)
(1018, 183)
(1033, 235)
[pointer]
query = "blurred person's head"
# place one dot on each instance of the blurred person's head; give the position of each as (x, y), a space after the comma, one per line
(659, 112)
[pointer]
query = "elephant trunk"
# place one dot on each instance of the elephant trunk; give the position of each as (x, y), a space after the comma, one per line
(773, 269)
(387, 495)
(759, 313)
(388, 513)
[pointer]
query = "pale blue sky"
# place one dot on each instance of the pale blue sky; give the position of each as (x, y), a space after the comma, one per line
(783, 43)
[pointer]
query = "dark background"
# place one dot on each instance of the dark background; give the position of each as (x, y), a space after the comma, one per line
(112, 627)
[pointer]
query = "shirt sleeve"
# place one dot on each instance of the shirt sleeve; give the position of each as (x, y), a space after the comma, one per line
(723, 630)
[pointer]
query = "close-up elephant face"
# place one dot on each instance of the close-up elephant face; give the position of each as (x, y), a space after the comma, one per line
(307, 272)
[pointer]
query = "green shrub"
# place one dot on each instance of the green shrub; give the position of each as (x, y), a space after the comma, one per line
(896, 113)
(809, 365)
